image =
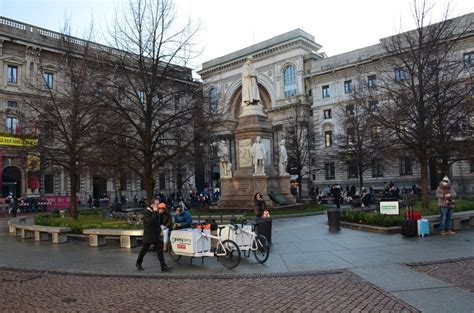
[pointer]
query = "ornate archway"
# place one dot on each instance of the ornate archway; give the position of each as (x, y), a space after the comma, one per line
(236, 100)
(11, 177)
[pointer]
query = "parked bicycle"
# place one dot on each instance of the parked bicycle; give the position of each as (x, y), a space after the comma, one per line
(248, 240)
(197, 242)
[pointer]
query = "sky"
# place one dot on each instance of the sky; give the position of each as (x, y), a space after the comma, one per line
(226, 26)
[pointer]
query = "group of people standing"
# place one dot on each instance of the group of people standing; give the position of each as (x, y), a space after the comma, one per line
(157, 223)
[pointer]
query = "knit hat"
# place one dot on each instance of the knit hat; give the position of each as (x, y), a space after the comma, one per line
(446, 179)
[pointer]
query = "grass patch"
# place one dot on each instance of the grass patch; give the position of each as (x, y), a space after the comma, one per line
(251, 214)
(84, 222)
(464, 204)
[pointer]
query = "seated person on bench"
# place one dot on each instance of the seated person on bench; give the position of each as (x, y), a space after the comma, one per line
(182, 219)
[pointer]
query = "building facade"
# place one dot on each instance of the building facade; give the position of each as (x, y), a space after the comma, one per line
(292, 71)
(22, 48)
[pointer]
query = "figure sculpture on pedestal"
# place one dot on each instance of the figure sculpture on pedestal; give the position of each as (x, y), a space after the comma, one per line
(250, 94)
(258, 157)
(223, 153)
(283, 159)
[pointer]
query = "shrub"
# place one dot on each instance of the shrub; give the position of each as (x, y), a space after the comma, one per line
(375, 219)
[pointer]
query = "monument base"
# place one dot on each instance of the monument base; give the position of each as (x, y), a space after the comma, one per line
(239, 192)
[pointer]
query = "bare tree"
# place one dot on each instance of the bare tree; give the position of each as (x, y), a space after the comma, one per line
(363, 140)
(65, 109)
(153, 96)
(299, 139)
(421, 87)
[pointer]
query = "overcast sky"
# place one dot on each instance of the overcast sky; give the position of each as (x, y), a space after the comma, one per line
(338, 25)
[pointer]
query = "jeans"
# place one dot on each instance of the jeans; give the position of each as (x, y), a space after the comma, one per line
(445, 221)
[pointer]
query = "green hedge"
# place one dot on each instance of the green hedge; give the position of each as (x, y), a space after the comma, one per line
(375, 219)
(84, 222)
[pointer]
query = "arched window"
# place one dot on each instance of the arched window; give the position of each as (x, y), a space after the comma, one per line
(289, 74)
(213, 100)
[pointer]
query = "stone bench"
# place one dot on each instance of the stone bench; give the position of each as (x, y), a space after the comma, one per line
(38, 232)
(456, 217)
(128, 237)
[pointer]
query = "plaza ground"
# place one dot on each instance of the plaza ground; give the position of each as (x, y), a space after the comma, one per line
(309, 269)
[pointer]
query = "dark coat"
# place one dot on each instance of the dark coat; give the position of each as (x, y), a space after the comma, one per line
(151, 226)
(166, 220)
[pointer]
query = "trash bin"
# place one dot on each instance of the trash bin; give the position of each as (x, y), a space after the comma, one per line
(334, 217)
(264, 227)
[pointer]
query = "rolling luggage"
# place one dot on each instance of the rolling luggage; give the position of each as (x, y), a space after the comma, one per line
(423, 227)
(409, 225)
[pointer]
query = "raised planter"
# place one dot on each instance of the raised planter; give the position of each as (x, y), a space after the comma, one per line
(371, 228)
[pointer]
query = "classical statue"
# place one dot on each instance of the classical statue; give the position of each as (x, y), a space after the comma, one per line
(223, 154)
(283, 158)
(258, 157)
(250, 94)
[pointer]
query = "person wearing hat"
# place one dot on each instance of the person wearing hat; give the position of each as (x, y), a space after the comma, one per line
(445, 194)
(152, 235)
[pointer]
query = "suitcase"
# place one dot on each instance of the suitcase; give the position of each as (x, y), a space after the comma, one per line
(409, 226)
(423, 227)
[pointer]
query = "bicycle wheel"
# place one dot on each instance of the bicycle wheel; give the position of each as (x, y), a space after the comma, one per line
(263, 249)
(232, 254)
(174, 257)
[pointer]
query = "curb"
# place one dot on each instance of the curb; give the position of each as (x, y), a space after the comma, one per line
(206, 276)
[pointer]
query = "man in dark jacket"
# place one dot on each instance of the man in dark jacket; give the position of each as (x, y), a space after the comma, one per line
(152, 235)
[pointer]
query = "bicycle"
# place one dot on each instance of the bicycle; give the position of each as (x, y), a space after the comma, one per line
(197, 243)
(249, 241)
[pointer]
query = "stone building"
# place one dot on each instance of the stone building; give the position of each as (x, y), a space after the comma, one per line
(293, 71)
(21, 47)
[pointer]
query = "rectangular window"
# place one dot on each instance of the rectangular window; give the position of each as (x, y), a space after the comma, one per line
(352, 171)
(329, 170)
(12, 104)
(350, 110)
(326, 91)
(469, 59)
(48, 183)
(350, 136)
(123, 183)
(372, 81)
(377, 168)
(48, 80)
(400, 74)
(141, 96)
(11, 125)
(327, 114)
(12, 75)
(328, 138)
(348, 86)
(310, 93)
(374, 105)
(471, 169)
(375, 132)
(405, 167)
(99, 89)
(162, 181)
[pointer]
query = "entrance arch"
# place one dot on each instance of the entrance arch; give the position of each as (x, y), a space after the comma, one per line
(11, 181)
(236, 100)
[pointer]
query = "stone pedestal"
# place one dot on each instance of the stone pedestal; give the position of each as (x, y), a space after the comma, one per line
(238, 191)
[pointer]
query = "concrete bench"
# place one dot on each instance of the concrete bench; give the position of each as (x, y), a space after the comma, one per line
(456, 217)
(38, 232)
(128, 237)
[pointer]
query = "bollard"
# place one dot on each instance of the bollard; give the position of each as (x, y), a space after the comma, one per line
(334, 217)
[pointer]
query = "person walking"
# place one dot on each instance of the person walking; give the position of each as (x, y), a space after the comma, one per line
(445, 194)
(152, 235)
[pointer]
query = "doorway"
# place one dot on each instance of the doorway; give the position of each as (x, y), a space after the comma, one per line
(11, 181)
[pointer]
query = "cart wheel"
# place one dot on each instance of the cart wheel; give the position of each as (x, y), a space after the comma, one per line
(263, 249)
(232, 254)
(175, 257)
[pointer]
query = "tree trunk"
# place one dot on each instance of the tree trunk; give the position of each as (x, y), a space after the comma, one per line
(148, 175)
(73, 199)
(425, 199)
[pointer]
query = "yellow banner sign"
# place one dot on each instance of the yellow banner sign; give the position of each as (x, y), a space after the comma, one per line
(18, 142)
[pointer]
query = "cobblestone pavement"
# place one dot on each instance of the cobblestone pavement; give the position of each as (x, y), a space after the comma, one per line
(342, 291)
(459, 272)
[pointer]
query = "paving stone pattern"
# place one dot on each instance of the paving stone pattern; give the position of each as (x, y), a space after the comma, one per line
(459, 273)
(317, 292)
